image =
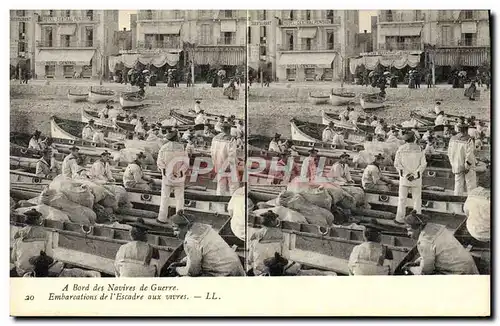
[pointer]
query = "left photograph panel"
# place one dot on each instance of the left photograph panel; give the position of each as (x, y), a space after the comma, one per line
(127, 143)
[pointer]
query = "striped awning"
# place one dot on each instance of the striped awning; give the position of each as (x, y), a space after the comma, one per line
(220, 56)
(466, 57)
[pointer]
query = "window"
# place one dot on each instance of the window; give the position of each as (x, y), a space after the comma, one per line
(291, 15)
(89, 36)
(21, 13)
(87, 71)
(468, 14)
(47, 37)
(22, 47)
(446, 35)
(329, 40)
(262, 15)
(310, 73)
(329, 15)
(51, 13)
(68, 71)
(206, 34)
(204, 13)
(227, 38)
(263, 31)
(149, 14)
(22, 30)
(65, 40)
(389, 16)
(291, 73)
(262, 50)
(468, 39)
(289, 40)
(90, 14)
(308, 14)
(67, 13)
(178, 14)
(328, 74)
(228, 14)
(308, 44)
(249, 35)
(50, 70)
(348, 38)
(418, 14)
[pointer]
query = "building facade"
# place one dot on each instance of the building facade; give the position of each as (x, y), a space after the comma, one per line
(261, 41)
(22, 38)
(314, 44)
(74, 43)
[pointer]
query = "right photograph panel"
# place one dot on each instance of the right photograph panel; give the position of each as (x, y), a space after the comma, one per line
(368, 142)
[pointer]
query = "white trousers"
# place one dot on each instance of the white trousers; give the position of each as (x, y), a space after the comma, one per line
(226, 187)
(166, 190)
(465, 180)
(416, 193)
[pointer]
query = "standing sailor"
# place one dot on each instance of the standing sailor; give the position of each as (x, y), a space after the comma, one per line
(133, 177)
(410, 163)
(437, 108)
(218, 124)
(197, 106)
(173, 162)
(223, 152)
(440, 119)
(207, 254)
(100, 170)
(88, 131)
(200, 118)
(70, 162)
(309, 168)
(98, 136)
(338, 138)
(137, 258)
(139, 126)
(462, 160)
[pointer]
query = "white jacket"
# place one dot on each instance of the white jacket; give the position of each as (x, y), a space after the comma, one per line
(477, 208)
(87, 132)
(440, 120)
(68, 166)
(200, 120)
(98, 137)
(410, 159)
(327, 135)
(223, 152)
(461, 153)
(101, 171)
(173, 161)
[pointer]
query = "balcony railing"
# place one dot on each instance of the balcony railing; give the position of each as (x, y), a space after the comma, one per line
(72, 44)
(398, 18)
(460, 43)
(400, 46)
(335, 20)
(176, 15)
(70, 19)
(226, 41)
(311, 47)
(165, 44)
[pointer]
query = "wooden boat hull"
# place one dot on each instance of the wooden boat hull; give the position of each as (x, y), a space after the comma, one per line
(77, 97)
(368, 105)
(298, 134)
(86, 116)
(128, 103)
(72, 130)
(100, 97)
(337, 99)
(316, 100)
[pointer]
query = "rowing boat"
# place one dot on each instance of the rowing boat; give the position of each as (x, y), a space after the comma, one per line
(87, 115)
(312, 132)
(183, 119)
(369, 103)
(75, 97)
(100, 96)
(340, 98)
(131, 100)
(318, 99)
(72, 130)
(328, 117)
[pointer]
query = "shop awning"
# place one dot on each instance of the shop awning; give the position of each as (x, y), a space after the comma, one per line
(307, 33)
(320, 60)
(403, 31)
(228, 26)
(469, 27)
(464, 57)
(67, 29)
(77, 57)
(220, 56)
(130, 60)
(172, 29)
